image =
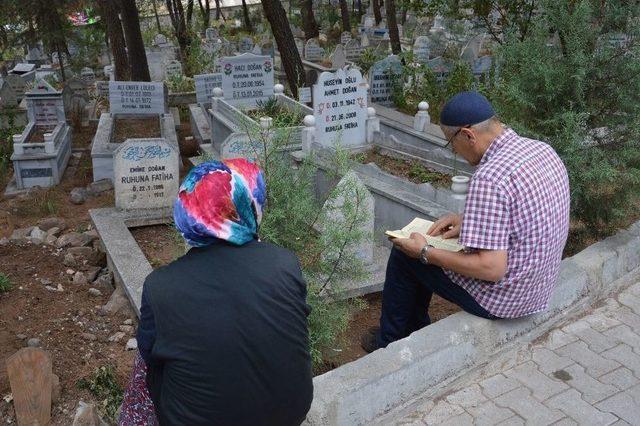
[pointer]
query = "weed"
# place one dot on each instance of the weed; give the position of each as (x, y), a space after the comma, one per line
(104, 386)
(5, 284)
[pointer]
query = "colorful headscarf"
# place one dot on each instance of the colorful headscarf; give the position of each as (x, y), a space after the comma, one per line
(220, 200)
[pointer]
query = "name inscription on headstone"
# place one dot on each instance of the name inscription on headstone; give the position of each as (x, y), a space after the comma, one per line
(45, 112)
(382, 77)
(145, 174)
(136, 97)
(247, 79)
(340, 108)
(205, 83)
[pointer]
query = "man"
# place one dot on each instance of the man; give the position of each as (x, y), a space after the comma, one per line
(514, 228)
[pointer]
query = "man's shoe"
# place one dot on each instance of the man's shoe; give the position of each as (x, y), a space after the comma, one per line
(369, 341)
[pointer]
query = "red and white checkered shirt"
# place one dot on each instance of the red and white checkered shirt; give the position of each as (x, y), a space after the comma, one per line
(518, 201)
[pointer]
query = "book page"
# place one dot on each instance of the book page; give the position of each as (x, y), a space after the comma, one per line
(421, 226)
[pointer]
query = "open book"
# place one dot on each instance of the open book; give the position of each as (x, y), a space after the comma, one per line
(421, 226)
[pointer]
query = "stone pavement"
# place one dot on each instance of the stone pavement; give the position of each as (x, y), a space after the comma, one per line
(586, 371)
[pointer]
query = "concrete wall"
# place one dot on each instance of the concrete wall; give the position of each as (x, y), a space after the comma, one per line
(429, 359)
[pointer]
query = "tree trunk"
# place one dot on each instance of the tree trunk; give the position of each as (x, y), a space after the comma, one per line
(289, 55)
(376, 11)
(178, 21)
(392, 24)
(189, 13)
(218, 12)
(205, 11)
(109, 11)
(247, 20)
(309, 24)
(344, 9)
(155, 13)
(133, 37)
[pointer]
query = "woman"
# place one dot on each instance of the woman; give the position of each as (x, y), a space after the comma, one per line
(223, 330)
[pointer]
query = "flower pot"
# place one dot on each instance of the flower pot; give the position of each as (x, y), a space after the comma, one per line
(460, 187)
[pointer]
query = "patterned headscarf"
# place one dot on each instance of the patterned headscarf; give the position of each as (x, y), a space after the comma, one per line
(220, 200)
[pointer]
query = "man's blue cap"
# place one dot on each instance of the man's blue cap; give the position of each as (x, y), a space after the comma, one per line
(466, 109)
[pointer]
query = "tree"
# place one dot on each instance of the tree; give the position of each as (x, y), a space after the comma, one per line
(392, 24)
(205, 12)
(219, 12)
(155, 13)
(133, 37)
(289, 55)
(346, 20)
(376, 11)
(109, 11)
(180, 28)
(503, 16)
(309, 24)
(53, 28)
(245, 14)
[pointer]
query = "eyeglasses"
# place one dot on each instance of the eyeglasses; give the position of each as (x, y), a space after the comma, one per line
(468, 126)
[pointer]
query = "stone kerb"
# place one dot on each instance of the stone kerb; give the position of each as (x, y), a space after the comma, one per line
(430, 359)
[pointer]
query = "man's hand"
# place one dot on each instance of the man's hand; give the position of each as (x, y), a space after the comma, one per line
(411, 246)
(447, 226)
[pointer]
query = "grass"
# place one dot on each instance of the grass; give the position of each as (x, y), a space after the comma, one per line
(104, 386)
(281, 117)
(5, 283)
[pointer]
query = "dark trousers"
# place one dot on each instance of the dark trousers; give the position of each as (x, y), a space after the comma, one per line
(408, 288)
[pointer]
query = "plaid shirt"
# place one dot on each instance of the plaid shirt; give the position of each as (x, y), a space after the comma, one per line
(518, 201)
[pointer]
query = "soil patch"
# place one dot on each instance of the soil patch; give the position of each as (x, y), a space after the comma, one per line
(126, 128)
(58, 319)
(411, 170)
(161, 244)
(37, 135)
(83, 136)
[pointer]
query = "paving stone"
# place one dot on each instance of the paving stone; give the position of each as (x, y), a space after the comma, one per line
(596, 341)
(594, 364)
(634, 289)
(576, 327)
(591, 389)
(497, 385)
(622, 378)
(441, 412)
(601, 321)
(624, 334)
(512, 421)
(463, 419)
(635, 393)
(566, 422)
(558, 338)
(570, 403)
(621, 405)
(470, 396)
(541, 386)
(548, 361)
(627, 316)
(621, 422)
(521, 401)
(630, 300)
(625, 356)
(488, 413)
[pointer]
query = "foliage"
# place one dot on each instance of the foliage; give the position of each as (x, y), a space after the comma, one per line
(6, 145)
(282, 117)
(198, 60)
(418, 83)
(179, 83)
(579, 92)
(90, 43)
(103, 385)
(367, 59)
(5, 283)
(460, 79)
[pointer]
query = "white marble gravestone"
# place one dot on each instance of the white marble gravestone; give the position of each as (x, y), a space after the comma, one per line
(245, 45)
(211, 33)
(136, 97)
(205, 83)
(421, 49)
(381, 79)
(345, 37)
(338, 57)
(17, 83)
(340, 108)
(173, 68)
(8, 98)
(353, 50)
(247, 79)
(88, 75)
(312, 50)
(146, 174)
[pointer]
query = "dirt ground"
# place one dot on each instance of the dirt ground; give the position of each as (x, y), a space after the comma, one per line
(58, 319)
(135, 128)
(411, 170)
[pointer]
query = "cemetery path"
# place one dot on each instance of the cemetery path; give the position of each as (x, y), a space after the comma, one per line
(585, 371)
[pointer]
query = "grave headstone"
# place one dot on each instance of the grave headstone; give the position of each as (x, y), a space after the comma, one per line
(247, 79)
(30, 374)
(18, 85)
(159, 40)
(353, 50)
(304, 95)
(421, 49)
(205, 83)
(173, 68)
(340, 108)
(364, 40)
(211, 33)
(338, 57)
(369, 21)
(136, 97)
(145, 174)
(345, 37)
(88, 75)
(45, 105)
(8, 98)
(383, 74)
(108, 72)
(245, 45)
(267, 49)
(312, 51)
(300, 45)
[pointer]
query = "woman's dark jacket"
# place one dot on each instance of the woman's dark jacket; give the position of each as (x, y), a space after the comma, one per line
(223, 331)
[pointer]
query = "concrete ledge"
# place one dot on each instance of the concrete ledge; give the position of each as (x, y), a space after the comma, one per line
(432, 358)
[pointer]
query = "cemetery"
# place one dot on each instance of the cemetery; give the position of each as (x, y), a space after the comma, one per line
(104, 129)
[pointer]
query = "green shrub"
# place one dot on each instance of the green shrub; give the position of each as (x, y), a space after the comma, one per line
(5, 283)
(103, 385)
(178, 83)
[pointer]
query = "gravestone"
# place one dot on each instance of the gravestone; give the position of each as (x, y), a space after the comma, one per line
(211, 33)
(421, 49)
(338, 57)
(205, 83)
(173, 68)
(17, 84)
(246, 44)
(30, 374)
(300, 45)
(88, 75)
(353, 50)
(159, 40)
(369, 21)
(382, 76)
(345, 37)
(312, 51)
(340, 108)
(364, 40)
(8, 98)
(45, 105)
(145, 174)
(108, 72)
(304, 95)
(247, 79)
(102, 88)
(267, 49)
(136, 97)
